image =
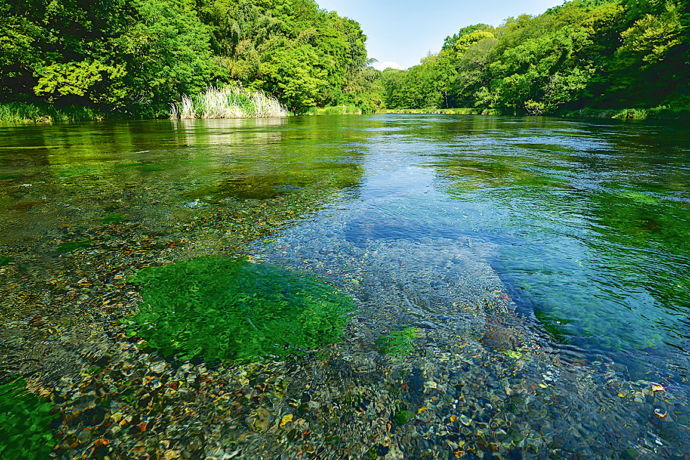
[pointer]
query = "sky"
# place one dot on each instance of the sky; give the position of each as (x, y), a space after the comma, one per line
(401, 32)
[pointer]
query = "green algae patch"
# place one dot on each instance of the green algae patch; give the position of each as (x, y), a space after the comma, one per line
(112, 219)
(403, 417)
(232, 309)
(71, 246)
(25, 421)
(398, 343)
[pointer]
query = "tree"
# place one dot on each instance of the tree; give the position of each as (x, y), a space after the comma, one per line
(167, 53)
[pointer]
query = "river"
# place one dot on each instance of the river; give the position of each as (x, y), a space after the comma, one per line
(543, 262)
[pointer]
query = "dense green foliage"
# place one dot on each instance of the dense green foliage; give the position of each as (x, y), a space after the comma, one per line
(585, 53)
(24, 423)
(135, 57)
(220, 309)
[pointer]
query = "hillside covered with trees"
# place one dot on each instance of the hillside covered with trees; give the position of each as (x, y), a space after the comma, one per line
(594, 54)
(135, 57)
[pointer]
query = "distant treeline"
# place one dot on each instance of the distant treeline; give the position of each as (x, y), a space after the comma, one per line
(136, 57)
(593, 54)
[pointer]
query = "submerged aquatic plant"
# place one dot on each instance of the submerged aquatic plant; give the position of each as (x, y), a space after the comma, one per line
(231, 309)
(112, 219)
(71, 246)
(227, 102)
(24, 423)
(398, 343)
(403, 416)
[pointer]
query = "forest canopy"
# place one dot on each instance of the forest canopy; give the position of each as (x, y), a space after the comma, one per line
(137, 56)
(585, 53)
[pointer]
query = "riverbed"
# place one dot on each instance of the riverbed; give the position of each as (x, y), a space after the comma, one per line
(543, 264)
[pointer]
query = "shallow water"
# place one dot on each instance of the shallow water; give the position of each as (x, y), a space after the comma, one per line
(565, 242)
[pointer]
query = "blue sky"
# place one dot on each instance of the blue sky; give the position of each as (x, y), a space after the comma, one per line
(401, 32)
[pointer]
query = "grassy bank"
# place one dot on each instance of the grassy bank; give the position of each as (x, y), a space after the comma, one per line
(335, 110)
(228, 102)
(454, 111)
(655, 113)
(27, 112)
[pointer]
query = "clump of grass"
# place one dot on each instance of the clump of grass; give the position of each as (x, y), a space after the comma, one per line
(231, 309)
(24, 423)
(4, 260)
(27, 112)
(227, 102)
(398, 343)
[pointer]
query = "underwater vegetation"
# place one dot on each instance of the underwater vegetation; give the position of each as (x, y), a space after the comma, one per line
(398, 343)
(112, 219)
(24, 423)
(71, 246)
(5, 260)
(232, 309)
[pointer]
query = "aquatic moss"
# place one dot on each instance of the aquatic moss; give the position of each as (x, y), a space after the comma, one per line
(398, 343)
(24, 423)
(231, 309)
(71, 246)
(112, 219)
(402, 417)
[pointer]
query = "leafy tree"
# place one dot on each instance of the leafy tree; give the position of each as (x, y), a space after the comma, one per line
(295, 76)
(138, 56)
(167, 53)
(599, 53)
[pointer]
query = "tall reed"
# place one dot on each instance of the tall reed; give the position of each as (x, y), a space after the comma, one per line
(227, 102)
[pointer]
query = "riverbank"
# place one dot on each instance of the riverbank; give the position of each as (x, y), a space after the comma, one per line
(633, 114)
(630, 114)
(451, 111)
(31, 113)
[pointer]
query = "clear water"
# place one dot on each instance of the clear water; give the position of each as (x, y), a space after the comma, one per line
(583, 228)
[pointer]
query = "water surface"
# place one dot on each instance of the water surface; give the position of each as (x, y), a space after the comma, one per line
(571, 237)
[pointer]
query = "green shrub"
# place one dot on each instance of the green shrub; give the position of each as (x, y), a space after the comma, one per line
(24, 423)
(398, 343)
(231, 309)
